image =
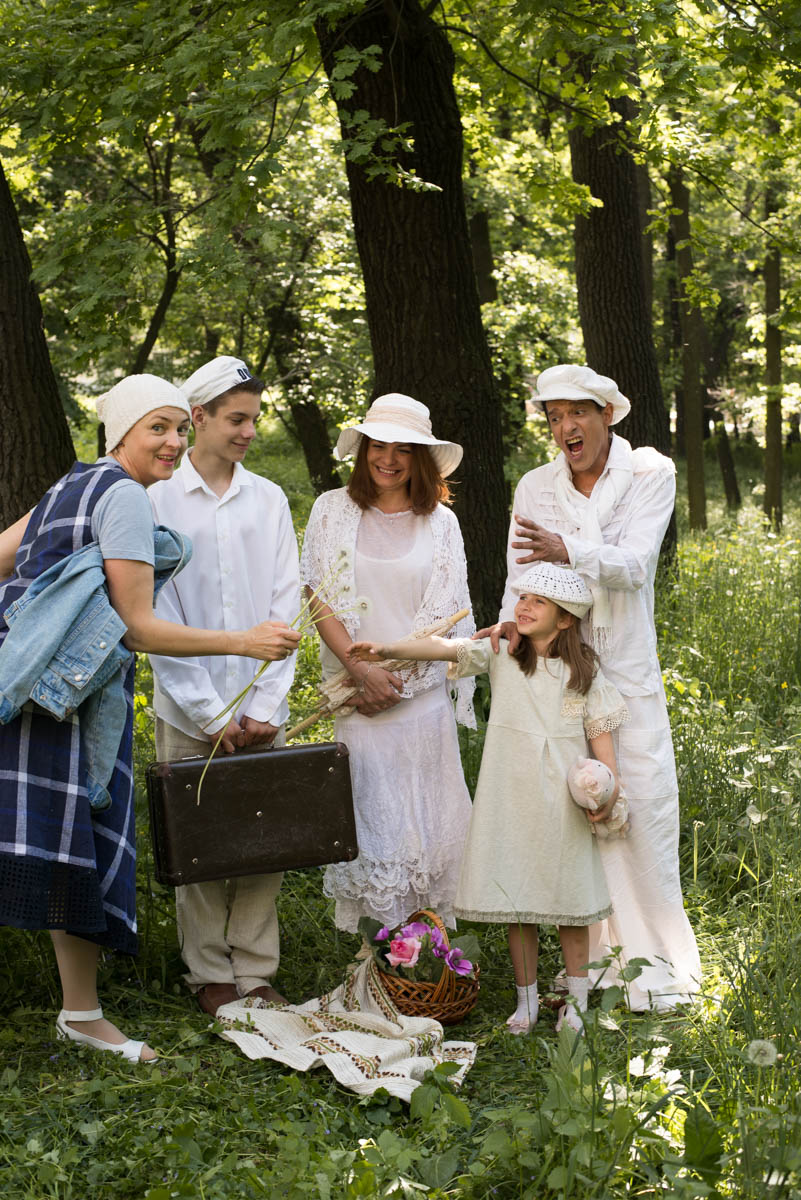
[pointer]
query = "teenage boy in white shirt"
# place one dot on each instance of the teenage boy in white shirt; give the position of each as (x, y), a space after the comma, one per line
(245, 562)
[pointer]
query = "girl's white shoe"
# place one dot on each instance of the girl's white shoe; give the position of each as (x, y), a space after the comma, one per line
(571, 1013)
(524, 1018)
(130, 1050)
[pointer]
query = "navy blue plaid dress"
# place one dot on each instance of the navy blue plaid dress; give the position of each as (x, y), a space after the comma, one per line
(63, 866)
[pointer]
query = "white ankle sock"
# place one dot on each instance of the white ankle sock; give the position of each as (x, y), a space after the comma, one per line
(578, 986)
(528, 1005)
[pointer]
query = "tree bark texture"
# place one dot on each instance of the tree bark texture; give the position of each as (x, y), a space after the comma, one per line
(716, 371)
(610, 276)
(644, 205)
(773, 375)
(422, 303)
(483, 261)
(308, 420)
(35, 443)
(691, 358)
(673, 324)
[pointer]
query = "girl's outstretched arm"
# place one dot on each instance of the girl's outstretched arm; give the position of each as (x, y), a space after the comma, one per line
(603, 748)
(425, 649)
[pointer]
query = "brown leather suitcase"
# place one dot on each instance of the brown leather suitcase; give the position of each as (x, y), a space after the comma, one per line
(261, 810)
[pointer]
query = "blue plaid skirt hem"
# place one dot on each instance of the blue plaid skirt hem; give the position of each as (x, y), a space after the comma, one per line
(63, 866)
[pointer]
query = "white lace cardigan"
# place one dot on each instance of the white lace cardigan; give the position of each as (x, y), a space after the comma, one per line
(331, 539)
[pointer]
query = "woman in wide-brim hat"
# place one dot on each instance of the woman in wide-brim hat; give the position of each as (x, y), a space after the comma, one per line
(400, 547)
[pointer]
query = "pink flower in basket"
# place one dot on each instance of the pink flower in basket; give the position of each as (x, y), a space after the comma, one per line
(415, 929)
(457, 962)
(404, 951)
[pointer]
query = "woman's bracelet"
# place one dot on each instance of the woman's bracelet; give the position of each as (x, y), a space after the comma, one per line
(364, 677)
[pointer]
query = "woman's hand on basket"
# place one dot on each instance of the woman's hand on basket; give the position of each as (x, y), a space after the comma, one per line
(270, 641)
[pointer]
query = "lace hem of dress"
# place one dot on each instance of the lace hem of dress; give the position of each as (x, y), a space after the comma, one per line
(391, 891)
(533, 918)
(606, 724)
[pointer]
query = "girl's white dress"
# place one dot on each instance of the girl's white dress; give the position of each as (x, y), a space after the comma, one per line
(411, 804)
(531, 855)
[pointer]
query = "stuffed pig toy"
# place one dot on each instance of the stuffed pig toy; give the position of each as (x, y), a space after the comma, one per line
(591, 783)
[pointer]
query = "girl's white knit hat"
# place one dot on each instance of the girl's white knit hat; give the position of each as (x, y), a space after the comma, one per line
(560, 584)
(133, 398)
(399, 418)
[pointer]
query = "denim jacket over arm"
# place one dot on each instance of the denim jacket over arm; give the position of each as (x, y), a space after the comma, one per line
(64, 650)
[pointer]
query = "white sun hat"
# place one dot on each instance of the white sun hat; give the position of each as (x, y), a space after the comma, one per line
(399, 418)
(215, 377)
(133, 398)
(568, 381)
(560, 584)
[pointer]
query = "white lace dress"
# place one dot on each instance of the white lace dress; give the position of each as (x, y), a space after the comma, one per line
(411, 803)
(530, 854)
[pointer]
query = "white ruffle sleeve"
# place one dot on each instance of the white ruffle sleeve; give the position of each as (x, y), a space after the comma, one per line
(473, 658)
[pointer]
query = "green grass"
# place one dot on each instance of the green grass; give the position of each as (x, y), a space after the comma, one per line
(619, 1118)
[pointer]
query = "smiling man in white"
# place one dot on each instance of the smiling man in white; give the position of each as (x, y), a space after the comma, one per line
(602, 509)
(245, 560)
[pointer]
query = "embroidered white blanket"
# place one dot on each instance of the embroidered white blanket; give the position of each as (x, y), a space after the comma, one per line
(355, 1031)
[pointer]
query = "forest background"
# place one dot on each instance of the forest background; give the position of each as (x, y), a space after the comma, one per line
(441, 199)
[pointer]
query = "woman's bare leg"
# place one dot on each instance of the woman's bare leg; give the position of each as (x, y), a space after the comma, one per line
(77, 966)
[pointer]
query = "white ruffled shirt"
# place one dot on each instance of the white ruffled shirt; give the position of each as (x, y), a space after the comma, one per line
(624, 563)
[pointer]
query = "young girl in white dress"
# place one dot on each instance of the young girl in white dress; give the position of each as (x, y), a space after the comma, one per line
(531, 858)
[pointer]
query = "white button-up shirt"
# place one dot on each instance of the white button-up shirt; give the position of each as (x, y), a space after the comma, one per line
(243, 570)
(626, 563)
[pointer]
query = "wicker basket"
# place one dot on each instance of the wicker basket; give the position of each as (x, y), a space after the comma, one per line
(447, 1001)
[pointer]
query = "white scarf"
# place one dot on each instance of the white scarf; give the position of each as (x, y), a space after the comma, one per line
(591, 514)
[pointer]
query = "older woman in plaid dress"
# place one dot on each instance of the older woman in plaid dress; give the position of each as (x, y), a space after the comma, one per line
(66, 865)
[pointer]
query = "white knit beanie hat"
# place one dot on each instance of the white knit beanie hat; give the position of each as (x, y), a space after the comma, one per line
(133, 398)
(560, 584)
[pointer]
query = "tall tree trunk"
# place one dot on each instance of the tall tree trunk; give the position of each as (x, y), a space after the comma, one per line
(773, 372)
(716, 371)
(728, 471)
(422, 305)
(691, 358)
(308, 421)
(644, 206)
(610, 275)
(482, 257)
(673, 323)
(35, 443)
(512, 391)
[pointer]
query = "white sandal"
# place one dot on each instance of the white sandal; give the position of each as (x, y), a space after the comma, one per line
(519, 1026)
(130, 1050)
(568, 1015)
